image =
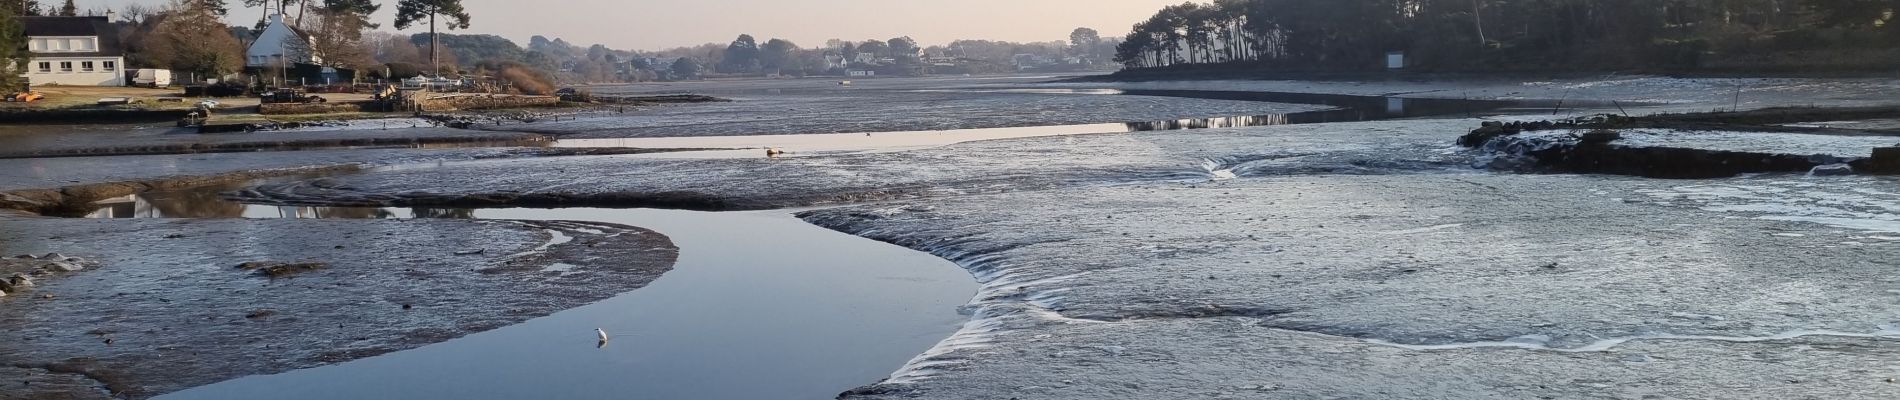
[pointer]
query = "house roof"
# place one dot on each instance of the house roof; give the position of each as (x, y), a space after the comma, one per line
(78, 26)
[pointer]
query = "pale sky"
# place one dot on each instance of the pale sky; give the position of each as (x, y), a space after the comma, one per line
(651, 25)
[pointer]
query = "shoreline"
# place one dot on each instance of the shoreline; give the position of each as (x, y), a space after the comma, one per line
(1411, 76)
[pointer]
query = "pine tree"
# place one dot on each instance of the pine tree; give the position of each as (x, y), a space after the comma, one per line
(13, 55)
(410, 12)
(69, 10)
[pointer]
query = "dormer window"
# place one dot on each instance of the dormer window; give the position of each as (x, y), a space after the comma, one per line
(63, 45)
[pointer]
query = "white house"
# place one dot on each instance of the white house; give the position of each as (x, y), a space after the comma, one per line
(277, 41)
(77, 51)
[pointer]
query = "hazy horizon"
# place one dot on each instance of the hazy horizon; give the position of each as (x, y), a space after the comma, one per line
(809, 23)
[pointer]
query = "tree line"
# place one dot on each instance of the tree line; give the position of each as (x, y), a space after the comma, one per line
(1511, 35)
(902, 55)
(193, 36)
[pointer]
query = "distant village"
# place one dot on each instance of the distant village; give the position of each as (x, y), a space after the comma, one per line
(746, 56)
(189, 44)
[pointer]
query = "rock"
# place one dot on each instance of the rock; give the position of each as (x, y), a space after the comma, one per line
(17, 282)
(1599, 137)
(471, 252)
(1832, 170)
(64, 266)
(260, 313)
(276, 269)
(1485, 134)
(53, 256)
(25, 256)
(1886, 161)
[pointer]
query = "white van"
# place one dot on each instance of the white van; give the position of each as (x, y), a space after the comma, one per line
(153, 78)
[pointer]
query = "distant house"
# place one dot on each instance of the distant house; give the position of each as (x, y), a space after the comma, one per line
(836, 61)
(78, 51)
(662, 67)
(281, 46)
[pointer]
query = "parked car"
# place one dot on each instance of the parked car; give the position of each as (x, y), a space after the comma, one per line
(290, 96)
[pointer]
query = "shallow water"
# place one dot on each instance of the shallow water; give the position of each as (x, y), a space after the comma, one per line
(760, 305)
(1344, 108)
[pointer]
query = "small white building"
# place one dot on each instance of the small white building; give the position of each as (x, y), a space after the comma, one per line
(280, 45)
(76, 51)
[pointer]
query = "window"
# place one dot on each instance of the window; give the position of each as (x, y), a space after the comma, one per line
(82, 44)
(58, 45)
(37, 45)
(65, 66)
(46, 67)
(85, 66)
(112, 66)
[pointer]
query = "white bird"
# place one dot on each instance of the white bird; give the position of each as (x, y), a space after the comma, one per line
(603, 334)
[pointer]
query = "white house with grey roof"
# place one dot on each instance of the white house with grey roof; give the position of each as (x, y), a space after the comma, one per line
(74, 51)
(280, 45)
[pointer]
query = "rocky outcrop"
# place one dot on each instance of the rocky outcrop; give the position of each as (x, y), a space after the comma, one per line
(1598, 152)
(18, 273)
(1886, 161)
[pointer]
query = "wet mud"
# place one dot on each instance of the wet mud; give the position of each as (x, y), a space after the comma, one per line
(961, 169)
(85, 141)
(168, 307)
(1390, 286)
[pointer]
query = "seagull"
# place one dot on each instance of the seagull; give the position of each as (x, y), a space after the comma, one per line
(603, 334)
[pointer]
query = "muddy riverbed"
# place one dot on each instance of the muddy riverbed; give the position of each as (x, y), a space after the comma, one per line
(1372, 258)
(168, 308)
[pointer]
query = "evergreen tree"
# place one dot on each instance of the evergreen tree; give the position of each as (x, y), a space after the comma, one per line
(409, 12)
(13, 55)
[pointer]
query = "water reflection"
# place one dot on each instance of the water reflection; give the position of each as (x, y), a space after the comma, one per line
(760, 305)
(206, 203)
(1208, 123)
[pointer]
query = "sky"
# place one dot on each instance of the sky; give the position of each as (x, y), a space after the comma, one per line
(652, 25)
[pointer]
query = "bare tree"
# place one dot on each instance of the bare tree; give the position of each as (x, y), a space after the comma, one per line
(136, 13)
(338, 39)
(192, 38)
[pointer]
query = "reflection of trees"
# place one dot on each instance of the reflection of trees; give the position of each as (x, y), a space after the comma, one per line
(1205, 123)
(353, 213)
(334, 212)
(196, 203)
(444, 213)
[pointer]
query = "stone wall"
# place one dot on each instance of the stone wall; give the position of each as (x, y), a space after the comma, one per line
(483, 102)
